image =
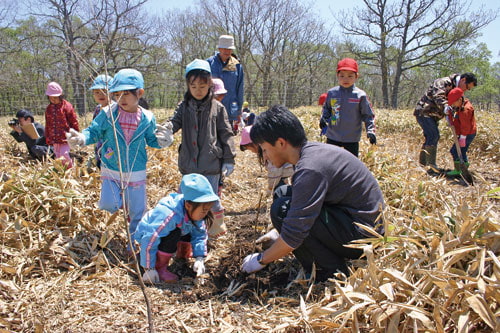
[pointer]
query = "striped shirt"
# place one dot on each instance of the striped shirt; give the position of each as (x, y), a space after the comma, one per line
(128, 122)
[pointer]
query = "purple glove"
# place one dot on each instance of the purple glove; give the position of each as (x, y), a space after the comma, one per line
(461, 140)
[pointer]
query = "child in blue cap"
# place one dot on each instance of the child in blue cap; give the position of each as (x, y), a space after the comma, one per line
(123, 157)
(207, 145)
(177, 217)
(100, 92)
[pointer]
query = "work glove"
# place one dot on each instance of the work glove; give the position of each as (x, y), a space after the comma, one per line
(75, 139)
(372, 138)
(150, 276)
(268, 239)
(461, 140)
(227, 169)
(251, 263)
(199, 266)
(164, 134)
(448, 110)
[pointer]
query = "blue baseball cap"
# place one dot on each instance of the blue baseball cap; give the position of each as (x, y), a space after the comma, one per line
(127, 79)
(198, 64)
(101, 82)
(197, 188)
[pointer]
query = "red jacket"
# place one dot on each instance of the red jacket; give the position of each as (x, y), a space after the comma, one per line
(464, 120)
(59, 118)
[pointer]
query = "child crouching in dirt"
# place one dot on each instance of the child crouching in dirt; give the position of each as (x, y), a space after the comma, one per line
(177, 223)
(275, 176)
(462, 118)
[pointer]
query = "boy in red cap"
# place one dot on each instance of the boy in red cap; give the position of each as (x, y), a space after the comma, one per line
(461, 116)
(346, 106)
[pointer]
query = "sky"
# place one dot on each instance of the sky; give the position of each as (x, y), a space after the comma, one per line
(326, 7)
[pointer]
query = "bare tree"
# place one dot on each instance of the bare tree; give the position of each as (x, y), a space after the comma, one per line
(406, 34)
(95, 35)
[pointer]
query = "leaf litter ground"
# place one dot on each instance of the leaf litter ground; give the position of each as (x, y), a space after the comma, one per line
(64, 268)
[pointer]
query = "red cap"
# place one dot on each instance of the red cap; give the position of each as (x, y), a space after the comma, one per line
(347, 64)
(454, 95)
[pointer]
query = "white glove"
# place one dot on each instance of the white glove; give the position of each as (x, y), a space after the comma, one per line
(199, 266)
(227, 169)
(269, 237)
(75, 139)
(448, 109)
(164, 134)
(151, 276)
(251, 263)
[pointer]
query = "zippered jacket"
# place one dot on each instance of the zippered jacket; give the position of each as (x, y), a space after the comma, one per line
(133, 155)
(344, 110)
(160, 221)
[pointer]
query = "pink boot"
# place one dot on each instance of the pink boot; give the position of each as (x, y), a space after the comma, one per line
(162, 260)
(184, 250)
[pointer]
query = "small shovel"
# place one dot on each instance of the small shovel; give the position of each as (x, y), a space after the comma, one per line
(466, 175)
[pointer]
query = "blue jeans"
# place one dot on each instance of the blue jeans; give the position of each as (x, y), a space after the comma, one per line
(135, 200)
(431, 130)
(454, 152)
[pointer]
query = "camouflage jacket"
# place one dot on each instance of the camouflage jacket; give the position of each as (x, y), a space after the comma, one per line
(434, 101)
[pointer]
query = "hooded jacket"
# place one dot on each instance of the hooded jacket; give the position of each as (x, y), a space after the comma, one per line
(133, 155)
(207, 138)
(464, 121)
(232, 75)
(159, 222)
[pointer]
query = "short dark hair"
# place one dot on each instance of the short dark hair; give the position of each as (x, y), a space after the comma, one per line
(278, 122)
(469, 78)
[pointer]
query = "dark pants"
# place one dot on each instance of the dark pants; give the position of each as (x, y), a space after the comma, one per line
(168, 243)
(430, 126)
(40, 152)
(324, 245)
(352, 147)
(454, 152)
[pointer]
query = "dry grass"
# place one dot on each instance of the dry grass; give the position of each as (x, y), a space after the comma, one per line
(62, 266)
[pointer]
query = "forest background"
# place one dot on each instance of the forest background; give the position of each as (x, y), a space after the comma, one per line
(288, 51)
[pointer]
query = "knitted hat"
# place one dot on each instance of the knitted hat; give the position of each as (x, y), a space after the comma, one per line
(347, 64)
(454, 95)
(245, 136)
(219, 88)
(226, 42)
(53, 89)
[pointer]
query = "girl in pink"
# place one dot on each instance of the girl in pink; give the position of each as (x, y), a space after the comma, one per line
(59, 118)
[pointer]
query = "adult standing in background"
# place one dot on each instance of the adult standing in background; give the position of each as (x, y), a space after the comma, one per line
(432, 107)
(226, 66)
